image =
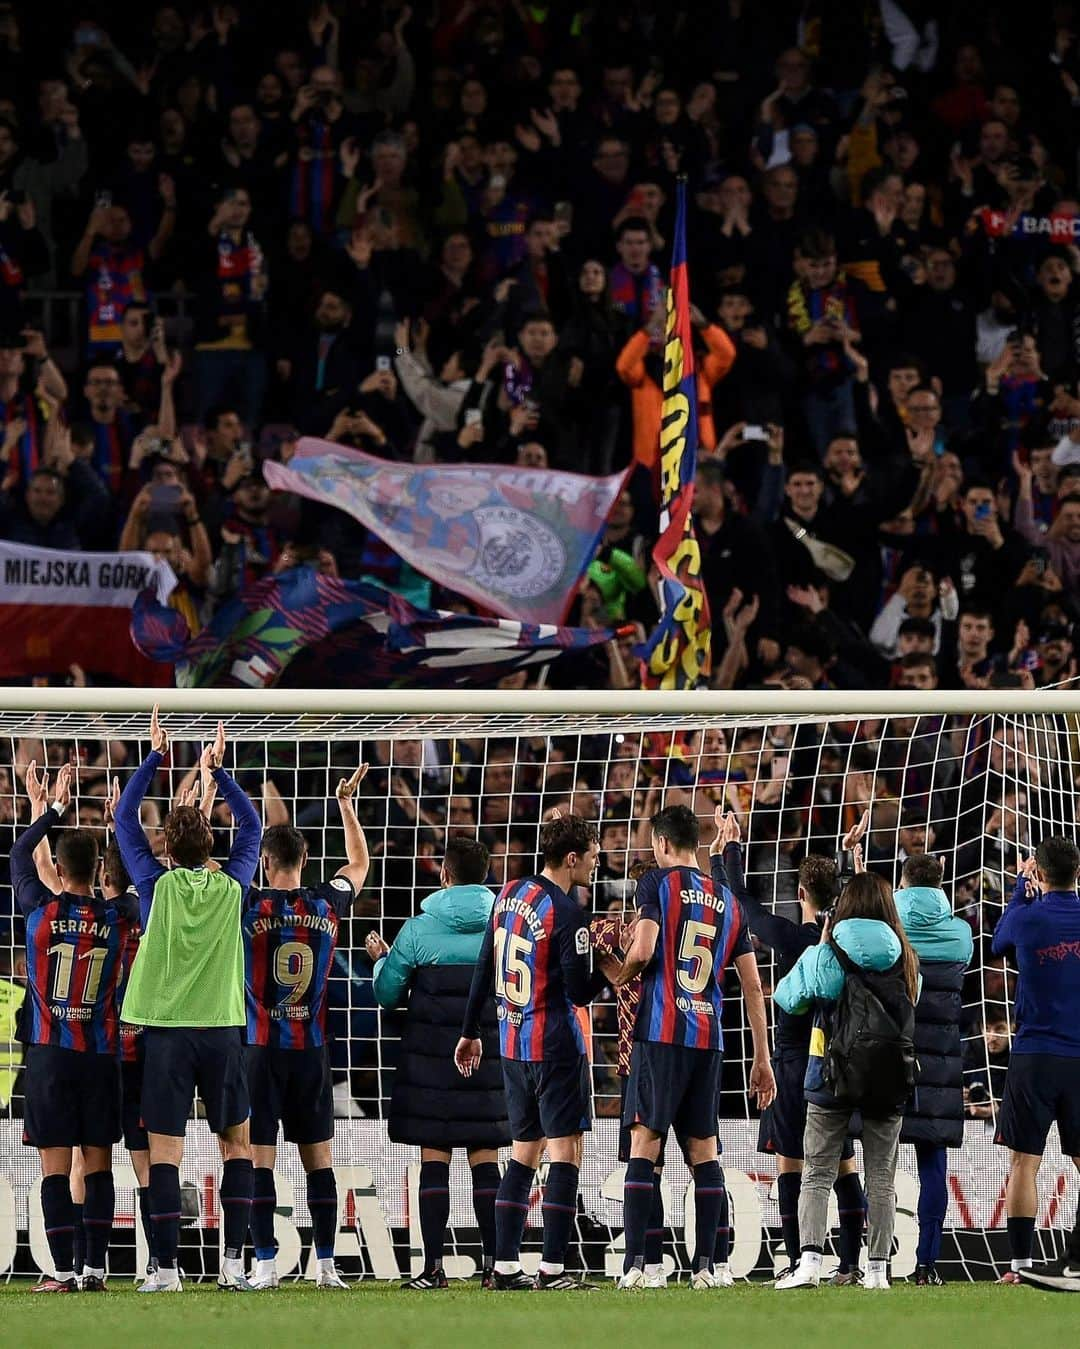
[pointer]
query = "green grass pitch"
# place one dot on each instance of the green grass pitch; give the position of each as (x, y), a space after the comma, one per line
(984, 1316)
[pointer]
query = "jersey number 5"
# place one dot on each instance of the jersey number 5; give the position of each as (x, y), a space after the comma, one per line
(513, 978)
(696, 949)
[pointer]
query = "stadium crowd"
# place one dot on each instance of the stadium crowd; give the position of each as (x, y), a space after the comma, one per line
(441, 233)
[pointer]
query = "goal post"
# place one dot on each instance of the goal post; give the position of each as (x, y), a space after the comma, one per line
(972, 776)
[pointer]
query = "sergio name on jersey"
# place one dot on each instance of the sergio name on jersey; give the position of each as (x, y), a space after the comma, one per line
(702, 931)
(289, 941)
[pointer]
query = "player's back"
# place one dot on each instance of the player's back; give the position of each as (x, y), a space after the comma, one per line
(75, 952)
(1047, 944)
(793, 1031)
(289, 942)
(535, 924)
(682, 986)
(190, 968)
(786, 939)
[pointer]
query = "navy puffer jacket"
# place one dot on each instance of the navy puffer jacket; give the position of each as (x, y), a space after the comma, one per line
(944, 946)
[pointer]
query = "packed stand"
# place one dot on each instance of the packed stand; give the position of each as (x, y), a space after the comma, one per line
(441, 233)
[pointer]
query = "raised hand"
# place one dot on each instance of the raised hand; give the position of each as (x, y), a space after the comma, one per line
(732, 830)
(111, 802)
(37, 788)
(213, 755)
(856, 832)
(347, 786)
(159, 739)
(64, 779)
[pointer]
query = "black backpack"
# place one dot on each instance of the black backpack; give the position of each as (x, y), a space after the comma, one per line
(870, 1060)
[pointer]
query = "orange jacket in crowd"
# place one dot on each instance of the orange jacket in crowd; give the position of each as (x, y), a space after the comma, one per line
(647, 397)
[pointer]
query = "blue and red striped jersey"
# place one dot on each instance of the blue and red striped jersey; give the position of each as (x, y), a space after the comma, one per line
(131, 1037)
(538, 955)
(289, 941)
(75, 946)
(702, 930)
(74, 960)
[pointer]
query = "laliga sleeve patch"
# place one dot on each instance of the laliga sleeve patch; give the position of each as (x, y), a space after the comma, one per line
(340, 883)
(581, 941)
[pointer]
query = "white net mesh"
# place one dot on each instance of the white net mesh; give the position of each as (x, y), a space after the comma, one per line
(971, 787)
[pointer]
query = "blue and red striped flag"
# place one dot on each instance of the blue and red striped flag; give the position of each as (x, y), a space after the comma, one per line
(678, 653)
(304, 630)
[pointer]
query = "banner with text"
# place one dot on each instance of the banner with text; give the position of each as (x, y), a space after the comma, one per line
(59, 609)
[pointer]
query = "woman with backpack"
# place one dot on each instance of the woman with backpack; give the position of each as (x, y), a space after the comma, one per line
(862, 983)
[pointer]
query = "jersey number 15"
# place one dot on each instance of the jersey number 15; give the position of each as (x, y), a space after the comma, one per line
(513, 977)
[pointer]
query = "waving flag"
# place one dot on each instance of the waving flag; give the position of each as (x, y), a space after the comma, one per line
(678, 653)
(514, 540)
(304, 630)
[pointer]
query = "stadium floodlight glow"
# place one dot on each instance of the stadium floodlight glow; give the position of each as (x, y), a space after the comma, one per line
(973, 776)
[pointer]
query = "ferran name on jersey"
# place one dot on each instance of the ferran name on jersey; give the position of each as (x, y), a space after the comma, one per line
(83, 927)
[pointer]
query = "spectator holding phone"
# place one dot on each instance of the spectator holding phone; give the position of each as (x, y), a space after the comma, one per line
(114, 266)
(140, 356)
(165, 505)
(981, 555)
(1060, 545)
(822, 317)
(232, 307)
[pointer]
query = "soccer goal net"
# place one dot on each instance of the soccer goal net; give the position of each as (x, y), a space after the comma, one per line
(971, 778)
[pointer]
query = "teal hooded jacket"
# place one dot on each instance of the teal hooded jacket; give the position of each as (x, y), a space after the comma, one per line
(817, 981)
(928, 920)
(448, 931)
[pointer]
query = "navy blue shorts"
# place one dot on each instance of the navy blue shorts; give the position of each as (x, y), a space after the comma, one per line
(292, 1087)
(547, 1100)
(178, 1060)
(1040, 1090)
(672, 1086)
(72, 1099)
(131, 1081)
(626, 1136)
(782, 1124)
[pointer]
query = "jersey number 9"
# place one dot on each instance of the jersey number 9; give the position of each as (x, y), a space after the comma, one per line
(294, 965)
